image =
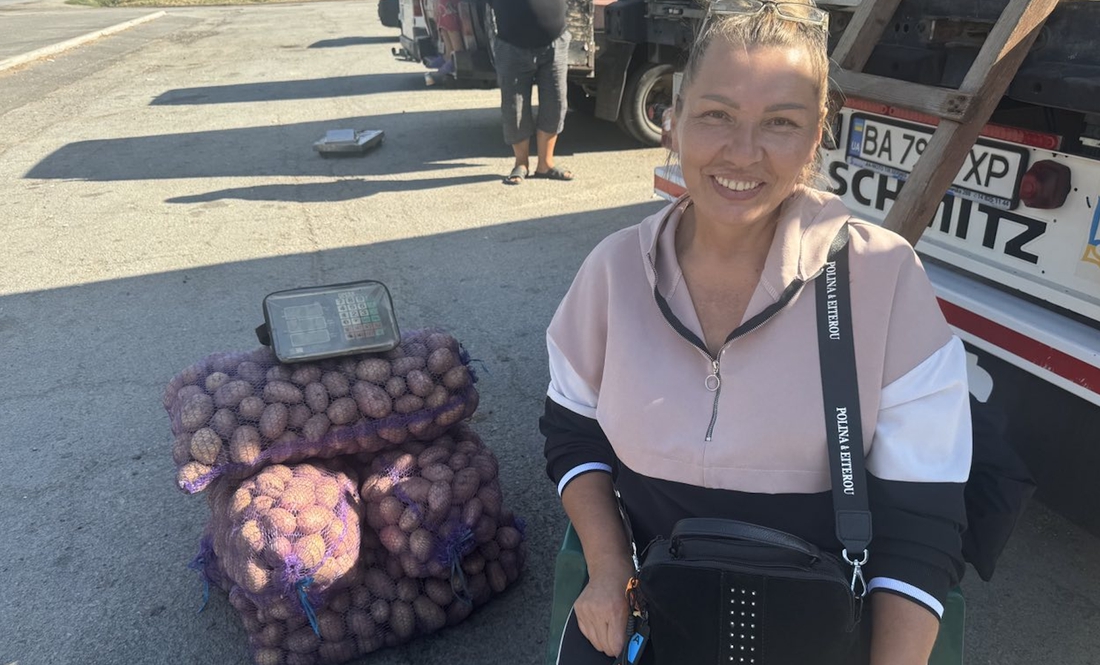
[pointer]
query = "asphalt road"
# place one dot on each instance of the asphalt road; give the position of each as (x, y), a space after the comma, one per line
(156, 184)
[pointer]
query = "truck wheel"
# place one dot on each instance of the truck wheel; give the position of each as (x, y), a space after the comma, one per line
(647, 94)
(388, 13)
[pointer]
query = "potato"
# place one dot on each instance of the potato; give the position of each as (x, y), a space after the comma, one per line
(224, 422)
(196, 412)
(453, 411)
(255, 577)
(396, 386)
(336, 384)
(187, 392)
(458, 462)
(244, 445)
(239, 502)
(381, 585)
(343, 410)
(422, 545)
(380, 611)
(361, 597)
(231, 394)
(472, 511)
(485, 530)
(510, 563)
(393, 539)
(402, 366)
(270, 483)
(440, 361)
(280, 471)
(278, 373)
(394, 433)
(332, 653)
(404, 463)
(316, 396)
(439, 497)
(303, 640)
(508, 537)
(297, 496)
(391, 509)
(430, 615)
(314, 518)
(273, 421)
(473, 563)
(437, 398)
(416, 348)
(441, 340)
(305, 374)
(181, 449)
(456, 378)
(251, 535)
(280, 521)
(327, 493)
(277, 551)
(359, 623)
(297, 416)
(215, 380)
(438, 473)
(419, 383)
(410, 519)
(330, 625)
(315, 428)
(375, 487)
(498, 581)
(457, 612)
(373, 401)
(402, 619)
(310, 550)
(191, 473)
(251, 408)
(250, 371)
(433, 454)
(282, 392)
(268, 656)
(416, 489)
(270, 635)
(465, 484)
(262, 503)
(407, 589)
(375, 370)
(490, 498)
(438, 591)
(407, 404)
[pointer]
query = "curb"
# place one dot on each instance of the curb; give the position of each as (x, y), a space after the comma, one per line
(54, 49)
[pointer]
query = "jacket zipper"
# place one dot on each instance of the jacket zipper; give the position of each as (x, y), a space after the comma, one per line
(713, 382)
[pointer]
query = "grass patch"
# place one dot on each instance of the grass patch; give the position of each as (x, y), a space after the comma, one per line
(178, 3)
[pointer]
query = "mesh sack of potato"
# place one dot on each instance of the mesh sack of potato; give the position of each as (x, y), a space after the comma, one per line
(381, 608)
(432, 505)
(233, 414)
(287, 533)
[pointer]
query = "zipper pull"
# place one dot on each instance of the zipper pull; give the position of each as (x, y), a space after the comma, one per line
(713, 381)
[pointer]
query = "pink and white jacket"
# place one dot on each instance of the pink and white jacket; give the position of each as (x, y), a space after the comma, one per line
(634, 393)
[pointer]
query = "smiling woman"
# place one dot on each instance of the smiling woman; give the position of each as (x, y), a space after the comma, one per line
(724, 418)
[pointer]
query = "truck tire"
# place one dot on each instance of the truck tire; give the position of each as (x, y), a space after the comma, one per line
(648, 92)
(388, 13)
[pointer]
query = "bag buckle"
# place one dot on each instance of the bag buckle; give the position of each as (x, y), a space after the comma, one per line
(857, 572)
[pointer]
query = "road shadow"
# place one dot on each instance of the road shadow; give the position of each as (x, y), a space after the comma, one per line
(92, 400)
(274, 91)
(323, 192)
(354, 41)
(287, 150)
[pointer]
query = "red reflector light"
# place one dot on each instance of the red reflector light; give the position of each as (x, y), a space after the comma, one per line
(1045, 185)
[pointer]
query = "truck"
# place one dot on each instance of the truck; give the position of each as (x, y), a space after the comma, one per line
(1013, 250)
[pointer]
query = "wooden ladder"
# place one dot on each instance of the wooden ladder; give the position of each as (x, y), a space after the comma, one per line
(963, 112)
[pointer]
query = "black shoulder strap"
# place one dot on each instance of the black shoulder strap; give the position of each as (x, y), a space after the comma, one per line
(841, 391)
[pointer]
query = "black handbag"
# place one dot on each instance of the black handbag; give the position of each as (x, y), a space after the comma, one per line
(720, 591)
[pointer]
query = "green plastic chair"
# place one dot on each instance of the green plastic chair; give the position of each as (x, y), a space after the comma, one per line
(570, 572)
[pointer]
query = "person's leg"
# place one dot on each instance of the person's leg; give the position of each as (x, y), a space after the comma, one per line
(553, 104)
(516, 76)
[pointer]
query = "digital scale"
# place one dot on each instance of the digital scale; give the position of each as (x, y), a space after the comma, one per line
(348, 142)
(327, 321)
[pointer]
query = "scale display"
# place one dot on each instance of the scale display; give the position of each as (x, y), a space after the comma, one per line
(328, 321)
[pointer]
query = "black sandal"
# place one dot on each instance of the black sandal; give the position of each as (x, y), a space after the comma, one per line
(554, 173)
(516, 176)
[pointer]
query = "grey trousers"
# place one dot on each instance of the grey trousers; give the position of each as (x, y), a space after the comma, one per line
(518, 69)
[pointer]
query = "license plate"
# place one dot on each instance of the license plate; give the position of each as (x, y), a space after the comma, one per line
(991, 173)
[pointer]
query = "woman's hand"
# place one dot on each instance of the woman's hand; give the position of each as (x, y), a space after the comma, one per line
(602, 610)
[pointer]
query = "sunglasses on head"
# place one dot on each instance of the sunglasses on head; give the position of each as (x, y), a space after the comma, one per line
(791, 11)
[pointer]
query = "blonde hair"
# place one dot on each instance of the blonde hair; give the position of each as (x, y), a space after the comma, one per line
(768, 29)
